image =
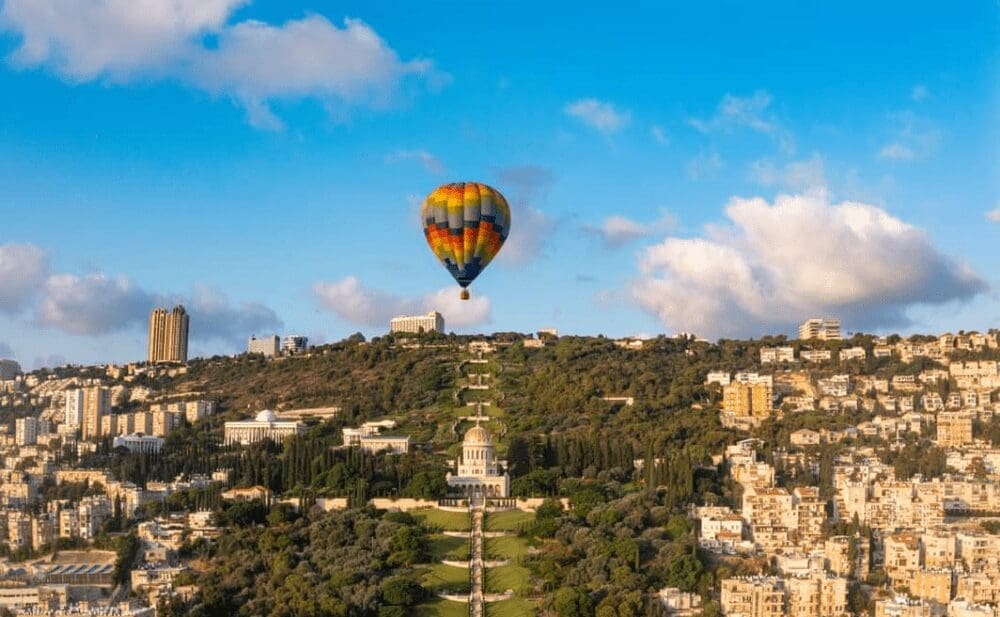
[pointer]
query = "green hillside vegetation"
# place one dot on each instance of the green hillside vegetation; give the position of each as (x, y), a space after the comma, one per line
(624, 535)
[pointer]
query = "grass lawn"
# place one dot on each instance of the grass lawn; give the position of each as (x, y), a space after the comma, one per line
(509, 520)
(448, 547)
(449, 579)
(515, 607)
(439, 607)
(499, 580)
(507, 547)
(443, 520)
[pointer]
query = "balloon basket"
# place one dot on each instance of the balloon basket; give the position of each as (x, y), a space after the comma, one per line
(465, 294)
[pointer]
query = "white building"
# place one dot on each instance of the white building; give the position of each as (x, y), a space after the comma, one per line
(265, 426)
(269, 346)
(478, 474)
(720, 377)
(74, 407)
(139, 443)
(815, 355)
(379, 443)
(853, 353)
(821, 329)
(294, 344)
(26, 431)
(431, 322)
(772, 355)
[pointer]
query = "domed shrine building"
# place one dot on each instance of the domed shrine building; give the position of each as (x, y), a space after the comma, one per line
(478, 470)
(265, 426)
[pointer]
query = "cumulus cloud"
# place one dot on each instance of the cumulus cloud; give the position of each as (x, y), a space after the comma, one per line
(213, 316)
(598, 115)
(93, 304)
(98, 304)
(526, 186)
(994, 215)
(23, 269)
(795, 176)
(252, 62)
(429, 162)
(352, 301)
(617, 231)
(776, 264)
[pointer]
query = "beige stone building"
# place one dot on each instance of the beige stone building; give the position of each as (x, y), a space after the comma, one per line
(168, 335)
(902, 556)
(431, 322)
(748, 401)
(954, 428)
(817, 595)
(96, 405)
(938, 549)
(932, 585)
(758, 596)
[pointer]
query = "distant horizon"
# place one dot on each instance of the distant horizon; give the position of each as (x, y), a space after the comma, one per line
(668, 168)
(848, 335)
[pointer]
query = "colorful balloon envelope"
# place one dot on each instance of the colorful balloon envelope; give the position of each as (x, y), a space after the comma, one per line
(465, 224)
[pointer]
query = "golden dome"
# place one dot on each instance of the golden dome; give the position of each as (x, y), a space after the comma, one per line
(477, 436)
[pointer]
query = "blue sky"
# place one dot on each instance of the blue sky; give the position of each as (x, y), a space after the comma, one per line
(726, 169)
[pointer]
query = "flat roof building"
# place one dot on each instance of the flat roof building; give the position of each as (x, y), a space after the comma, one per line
(431, 322)
(265, 425)
(268, 346)
(820, 329)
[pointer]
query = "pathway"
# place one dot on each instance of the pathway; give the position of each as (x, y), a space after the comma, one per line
(476, 597)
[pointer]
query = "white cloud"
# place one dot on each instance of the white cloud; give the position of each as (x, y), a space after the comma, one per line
(350, 300)
(746, 112)
(897, 152)
(776, 264)
(429, 162)
(213, 316)
(616, 231)
(23, 269)
(98, 304)
(994, 215)
(703, 166)
(83, 40)
(919, 92)
(915, 138)
(252, 62)
(92, 305)
(598, 115)
(659, 135)
(530, 228)
(796, 175)
(735, 111)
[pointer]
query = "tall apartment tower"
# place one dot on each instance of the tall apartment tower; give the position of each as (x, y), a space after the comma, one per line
(96, 405)
(74, 407)
(168, 335)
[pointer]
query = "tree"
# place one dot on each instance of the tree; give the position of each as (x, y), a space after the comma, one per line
(572, 602)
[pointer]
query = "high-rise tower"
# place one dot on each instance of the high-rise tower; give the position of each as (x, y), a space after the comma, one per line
(168, 335)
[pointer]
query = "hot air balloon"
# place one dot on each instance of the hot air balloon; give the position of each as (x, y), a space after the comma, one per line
(465, 224)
